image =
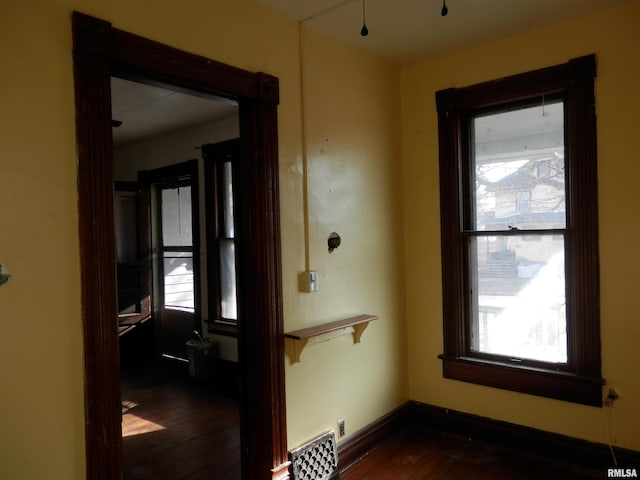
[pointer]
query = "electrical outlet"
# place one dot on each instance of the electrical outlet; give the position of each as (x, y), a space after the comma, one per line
(341, 430)
(612, 396)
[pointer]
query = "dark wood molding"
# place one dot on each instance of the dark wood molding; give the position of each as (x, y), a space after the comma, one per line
(99, 52)
(92, 38)
(268, 88)
(525, 439)
(518, 87)
(536, 381)
(260, 338)
(188, 168)
(103, 438)
(360, 443)
(221, 328)
(583, 193)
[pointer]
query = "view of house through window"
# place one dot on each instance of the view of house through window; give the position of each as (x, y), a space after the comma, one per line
(519, 227)
(516, 240)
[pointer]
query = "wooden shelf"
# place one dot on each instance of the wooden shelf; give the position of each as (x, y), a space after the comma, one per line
(309, 332)
(326, 331)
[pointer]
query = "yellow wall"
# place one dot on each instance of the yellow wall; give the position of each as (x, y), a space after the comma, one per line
(354, 189)
(355, 173)
(351, 111)
(614, 37)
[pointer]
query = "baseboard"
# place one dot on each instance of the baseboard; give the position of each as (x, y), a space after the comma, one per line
(513, 436)
(358, 445)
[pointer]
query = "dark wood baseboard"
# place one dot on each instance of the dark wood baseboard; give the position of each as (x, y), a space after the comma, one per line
(525, 439)
(360, 443)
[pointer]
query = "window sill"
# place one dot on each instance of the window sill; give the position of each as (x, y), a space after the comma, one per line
(535, 381)
(216, 327)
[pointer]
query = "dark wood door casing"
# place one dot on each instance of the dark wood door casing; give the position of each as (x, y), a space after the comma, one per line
(99, 52)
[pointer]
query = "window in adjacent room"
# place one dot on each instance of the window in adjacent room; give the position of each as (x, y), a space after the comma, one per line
(219, 161)
(176, 246)
(518, 187)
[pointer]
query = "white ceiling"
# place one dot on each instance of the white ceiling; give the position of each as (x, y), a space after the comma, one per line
(405, 31)
(147, 111)
(400, 31)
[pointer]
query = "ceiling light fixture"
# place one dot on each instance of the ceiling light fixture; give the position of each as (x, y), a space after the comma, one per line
(364, 31)
(444, 10)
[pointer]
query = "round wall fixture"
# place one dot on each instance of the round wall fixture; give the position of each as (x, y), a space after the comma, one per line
(4, 275)
(333, 242)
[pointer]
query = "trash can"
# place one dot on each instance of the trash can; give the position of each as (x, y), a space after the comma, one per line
(201, 356)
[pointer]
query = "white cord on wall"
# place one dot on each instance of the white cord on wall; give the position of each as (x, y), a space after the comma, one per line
(303, 146)
(610, 435)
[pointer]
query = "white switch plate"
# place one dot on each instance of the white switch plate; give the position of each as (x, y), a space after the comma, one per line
(313, 281)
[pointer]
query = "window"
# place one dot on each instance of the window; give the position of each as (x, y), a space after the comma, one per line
(176, 245)
(221, 241)
(173, 242)
(518, 187)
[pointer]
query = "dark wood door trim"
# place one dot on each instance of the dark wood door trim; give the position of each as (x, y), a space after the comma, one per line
(100, 51)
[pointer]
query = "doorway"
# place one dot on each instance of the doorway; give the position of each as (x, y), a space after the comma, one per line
(178, 376)
(100, 51)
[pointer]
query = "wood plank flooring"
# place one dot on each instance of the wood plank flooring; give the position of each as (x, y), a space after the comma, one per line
(174, 429)
(421, 453)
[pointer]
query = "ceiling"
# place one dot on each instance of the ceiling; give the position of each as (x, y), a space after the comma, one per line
(147, 111)
(405, 31)
(400, 31)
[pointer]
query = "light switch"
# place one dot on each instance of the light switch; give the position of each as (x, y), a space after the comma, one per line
(313, 281)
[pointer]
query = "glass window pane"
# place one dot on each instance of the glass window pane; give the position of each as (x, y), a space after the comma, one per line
(178, 280)
(518, 296)
(176, 217)
(227, 200)
(518, 168)
(228, 306)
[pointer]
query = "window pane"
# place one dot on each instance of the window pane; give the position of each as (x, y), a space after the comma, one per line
(178, 280)
(228, 307)
(518, 296)
(518, 165)
(227, 200)
(176, 217)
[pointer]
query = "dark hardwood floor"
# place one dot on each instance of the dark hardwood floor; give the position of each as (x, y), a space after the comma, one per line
(177, 429)
(421, 453)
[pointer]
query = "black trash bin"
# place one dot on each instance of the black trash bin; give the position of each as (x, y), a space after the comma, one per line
(201, 356)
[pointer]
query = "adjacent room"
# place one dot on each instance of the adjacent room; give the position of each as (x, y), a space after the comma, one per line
(173, 153)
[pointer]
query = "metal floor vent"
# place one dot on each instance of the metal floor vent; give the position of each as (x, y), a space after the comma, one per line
(316, 460)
